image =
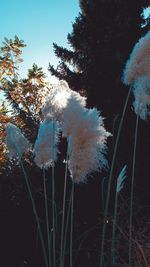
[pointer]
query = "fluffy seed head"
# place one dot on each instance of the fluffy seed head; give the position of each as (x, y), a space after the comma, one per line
(16, 142)
(139, 61)
(142, 97)
(45, 148)
(57, 101)
(72, 114)
(87, 145)
(83, 128)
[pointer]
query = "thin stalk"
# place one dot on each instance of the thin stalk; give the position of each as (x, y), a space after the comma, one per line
(53, 199)
(56, 219)
(83, 237)
(51, 237)
(46, 213)
(132, 191)
(114, 230)
(53, 212)
(110, 179)
(63, 214)
(35, 213)
(102, 192)
(71, 228)
(66, 229)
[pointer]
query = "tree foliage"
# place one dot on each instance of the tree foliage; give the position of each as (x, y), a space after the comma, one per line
(23, 96)
(10, 53)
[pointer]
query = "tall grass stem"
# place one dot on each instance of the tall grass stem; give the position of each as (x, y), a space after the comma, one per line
(132, 191)
(110, 179)
(47, 220)
(114, 230)
(35, 213)
(53, 199)
(66, 228)
(71, 226)
(63, 213)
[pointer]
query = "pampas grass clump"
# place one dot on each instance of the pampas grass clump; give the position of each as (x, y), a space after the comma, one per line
(65, 110)
(83, 128)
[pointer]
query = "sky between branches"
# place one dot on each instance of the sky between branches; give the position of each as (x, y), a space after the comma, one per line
(39, 23)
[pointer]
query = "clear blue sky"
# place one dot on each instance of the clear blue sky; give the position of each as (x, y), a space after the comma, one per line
(39, 23)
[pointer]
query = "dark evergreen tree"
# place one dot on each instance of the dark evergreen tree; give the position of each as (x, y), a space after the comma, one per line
(102, 38)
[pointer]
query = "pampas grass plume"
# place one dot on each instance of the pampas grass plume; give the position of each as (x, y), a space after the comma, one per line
(45, 148)
(142, 97)
(17, 144)
(57, 101)
(139, 61)
(121, 179)
(87, 145)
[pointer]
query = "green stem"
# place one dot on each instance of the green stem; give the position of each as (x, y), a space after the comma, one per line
(46, 213)
(71, 229)
(63, 214)
(102, 191)
(132, 191)
(53, 199)
(53, 211)
(35, 213)
(110, 180)
(114, 230)
(66, 229)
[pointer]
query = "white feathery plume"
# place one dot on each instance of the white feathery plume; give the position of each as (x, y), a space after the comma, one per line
(17, 144)
(72, 114)
(142, 96)
(121, 179)
(87, 145)
(45, 148)
(57, 100)
(83, 128)
(139, 61)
